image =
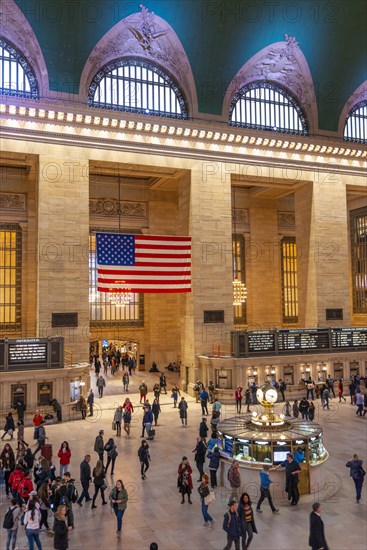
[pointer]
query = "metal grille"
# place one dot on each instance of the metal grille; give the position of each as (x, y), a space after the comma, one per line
(16, 76)
(356, 124)
(238, 256)
(289, 279)
(101, 311)
(267, 106)
(358, 235)
(10, 277)
(138, 87)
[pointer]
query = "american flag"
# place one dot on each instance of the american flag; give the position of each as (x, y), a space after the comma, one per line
(143, 263)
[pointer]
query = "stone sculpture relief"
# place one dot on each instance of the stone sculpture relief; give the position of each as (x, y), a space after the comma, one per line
(108, 206)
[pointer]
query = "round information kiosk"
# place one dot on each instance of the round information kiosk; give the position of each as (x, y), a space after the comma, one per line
(266, 438)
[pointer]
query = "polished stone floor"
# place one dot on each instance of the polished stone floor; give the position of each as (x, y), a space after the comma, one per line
(154, 511)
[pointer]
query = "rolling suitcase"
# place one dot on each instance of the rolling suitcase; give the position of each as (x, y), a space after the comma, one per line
(151, 434)
(46, 451)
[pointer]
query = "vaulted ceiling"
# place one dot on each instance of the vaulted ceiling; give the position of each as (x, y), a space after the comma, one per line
(219, 36)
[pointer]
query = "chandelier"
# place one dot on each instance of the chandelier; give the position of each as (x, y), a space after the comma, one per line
(239, 288)
(120, 297)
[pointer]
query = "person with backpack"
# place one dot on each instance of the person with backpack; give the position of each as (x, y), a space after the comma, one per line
(9, 426)
(214, 461)
(357, 473)
(72, 494)
(11, 524)
(232, 526)
(234, 478)
(204, 398)
(14, 481)
(40, 436)
(32, 519)
(118, 500)
(204, 492)
(143, 391)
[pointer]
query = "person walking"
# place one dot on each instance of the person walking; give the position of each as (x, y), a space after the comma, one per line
(44, 501)
(205, 496)
(310, 385)
(40, 435)
(144, 457)
(7, 463)
(238, 398)
(247, 520)
(357, 473)
(156, 391)
(20, 407)
(295, 409)
(214, 461)
(311, 411)
(232, 526)
(359, 403)
(303, 408)
(126, 381)
(326, 397)
(99, 445)
(341, 391)
(118, 500)
(352, 392)
(64, 455)
(82, 406)
(184, 480)
(265, 482)
(32, 519)
(85, 479)
(248, 399)
(199, 457)
(330, 384)
(182, 409)
(12, 530)
(101, 384)
(127, 421)
(112, 454)
(9, 426)
(90, 401)
(60, 528)
(292, 469)
(282, 388)
(234, 478)
(99, 476)
(175, 393)
(203, 429)
(156, 409)
(117, 418)
(37, 418)
(204, 398)
(147, 421)
(317, 539)
(143, 388)
(211, 391)
(163, 383)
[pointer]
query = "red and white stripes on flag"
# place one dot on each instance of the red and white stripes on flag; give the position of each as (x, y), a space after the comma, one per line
(143, 263)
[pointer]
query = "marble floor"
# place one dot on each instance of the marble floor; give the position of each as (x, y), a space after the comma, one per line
(154, 511)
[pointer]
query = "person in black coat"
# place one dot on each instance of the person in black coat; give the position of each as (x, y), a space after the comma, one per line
(203, 429)
(9, 426)
(200, 452)
(60, 529)
(232, 526)
(20, 408)
(317, 539)
(247, 520)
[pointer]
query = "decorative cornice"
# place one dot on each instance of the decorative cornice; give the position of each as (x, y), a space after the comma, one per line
(12, 201)
(108, 206)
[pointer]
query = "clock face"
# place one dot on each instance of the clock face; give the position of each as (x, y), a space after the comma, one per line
(260, 394)
(271, 395)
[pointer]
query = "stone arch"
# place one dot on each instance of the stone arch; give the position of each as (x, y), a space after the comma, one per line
(16, 29)
(146, 36)
(360, 94)
(284, 64)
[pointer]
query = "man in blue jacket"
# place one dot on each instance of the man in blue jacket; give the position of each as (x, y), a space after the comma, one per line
(147, 421)
(232, 525)
(204, 398)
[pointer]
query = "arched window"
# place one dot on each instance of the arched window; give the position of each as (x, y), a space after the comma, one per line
(16, 76)
(137, 87)
(267, 106)
(355, 128)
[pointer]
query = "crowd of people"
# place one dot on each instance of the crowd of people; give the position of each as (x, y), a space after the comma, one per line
(42, 495)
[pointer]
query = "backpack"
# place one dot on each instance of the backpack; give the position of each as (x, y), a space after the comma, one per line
(9, 519)
(74, 495)
(229, 473)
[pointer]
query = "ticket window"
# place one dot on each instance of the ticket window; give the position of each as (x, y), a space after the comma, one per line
(289, 375)
(338, 371)
(251, 380)
(321, 376)
(223, 379)
(304, 376)
(44, 393)
(354, 368)
(18, 393)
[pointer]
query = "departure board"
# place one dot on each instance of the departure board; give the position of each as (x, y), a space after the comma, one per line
(261, 341)
(349, 337)
(297, 339)
(27, 351)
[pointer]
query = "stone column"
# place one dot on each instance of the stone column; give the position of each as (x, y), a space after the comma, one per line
(322, 246)
(63, 233)
(205, 215)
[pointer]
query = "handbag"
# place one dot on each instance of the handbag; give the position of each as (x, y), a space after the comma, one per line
(209, 498)
(113, 425)
(104, 486)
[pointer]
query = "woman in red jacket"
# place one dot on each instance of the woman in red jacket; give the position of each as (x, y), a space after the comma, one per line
(64, 455)
(37, 418)
(25, 487)
(184, 481)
